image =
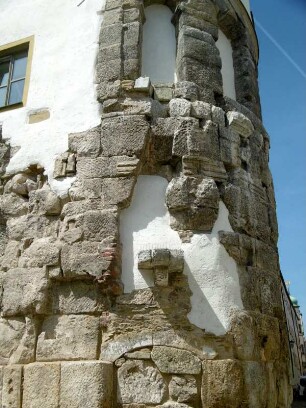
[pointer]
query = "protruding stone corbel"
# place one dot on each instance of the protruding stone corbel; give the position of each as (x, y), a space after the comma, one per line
(162, 262)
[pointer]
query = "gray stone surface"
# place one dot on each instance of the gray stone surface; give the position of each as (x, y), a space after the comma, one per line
(145, 378)
(12, 386)
(183, 389)
(175, 361)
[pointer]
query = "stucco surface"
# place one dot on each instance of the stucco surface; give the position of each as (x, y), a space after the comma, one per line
(62, 78)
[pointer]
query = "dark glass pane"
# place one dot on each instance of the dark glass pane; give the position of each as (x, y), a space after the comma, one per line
(2, 96)
(20, 65)
(4, 72)
(303, 382)
(16, 92)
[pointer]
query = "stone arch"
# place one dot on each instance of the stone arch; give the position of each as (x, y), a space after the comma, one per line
(227, 71)
(158, 62)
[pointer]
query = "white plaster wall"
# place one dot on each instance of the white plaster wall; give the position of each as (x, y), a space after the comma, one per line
(227, 71)
(212, 273)
(159, 45)
(62, 77)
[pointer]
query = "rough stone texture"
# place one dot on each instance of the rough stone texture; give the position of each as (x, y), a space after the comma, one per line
(222, 384)
(86, 384)
(12, 386)
(24, 291)
(17, 340)
(175, 361)
(68, 337)
(183, 389)
(143, 377)
(41, 385)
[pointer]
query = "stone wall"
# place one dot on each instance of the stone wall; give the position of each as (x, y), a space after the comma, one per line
(70, 334)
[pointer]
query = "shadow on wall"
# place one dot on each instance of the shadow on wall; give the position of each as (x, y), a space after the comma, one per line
(212, 274)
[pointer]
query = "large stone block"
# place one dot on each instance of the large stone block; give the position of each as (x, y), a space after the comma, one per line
(78, 297)
(256, 384)
(12, 386)
(41, 386)
(17, 341)
(40, 253)
(68, 338)
(86, 384)
(86, 143)
(124, 135)
(98, 225)
(25, 291)
(175, 361)
(83, 259)
(139, 382)
(44, 202)
(222, 384)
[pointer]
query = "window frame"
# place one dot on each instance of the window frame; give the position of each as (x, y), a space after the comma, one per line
(7, 52)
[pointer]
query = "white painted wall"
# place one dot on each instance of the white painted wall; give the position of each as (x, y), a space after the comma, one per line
(227, 71)
(159, 45)
(212, 273)
(62, 78)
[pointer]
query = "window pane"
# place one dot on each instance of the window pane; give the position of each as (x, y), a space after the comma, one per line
(4, 73)
(20, 65)
(16, 92)
(2, 96)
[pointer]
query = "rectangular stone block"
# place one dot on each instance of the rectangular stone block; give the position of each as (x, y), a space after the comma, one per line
(41, 385)
(1, 384)
(124, 135)
(68, 338)
(86, 384)
(222, 384)
(12, 386)
(78, 297)
(24, 291)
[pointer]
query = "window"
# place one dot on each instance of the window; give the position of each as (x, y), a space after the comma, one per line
(158, 45)
(14, 73)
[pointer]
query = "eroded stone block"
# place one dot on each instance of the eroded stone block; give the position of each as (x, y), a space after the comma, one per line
(183, 389)
(12, 386)
(68, 338)
(240, 123)
(25, 291)
(222, 384)
(175, 361)
(41, 385)
(141, 383)
(87, 384)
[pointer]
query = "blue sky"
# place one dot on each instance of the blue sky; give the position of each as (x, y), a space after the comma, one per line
(282, 80)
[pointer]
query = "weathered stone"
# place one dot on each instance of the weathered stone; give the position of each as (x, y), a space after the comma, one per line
(183, 389)
(172, 404)
(11, 255)
(187, 90)
(12, 386)
(97, 225)
(218, 115)
(255, 384)
(78, 297)
(175, 361)
(145, 378)
(240, 123)
(25, 291)
(68, 337)
(163, 92)
(86, 384)
(31, 226)
(143, 84)
(17, 340)
(222, 384)
(44, 201)
(117, 191)
(41, 386)
(107, 166)
(179, 107)
(143, 354)
(13, 205)
(201, 110)
(124, 135)
(40, 253)
(86, 143)
(1, 384)
(112, 350)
